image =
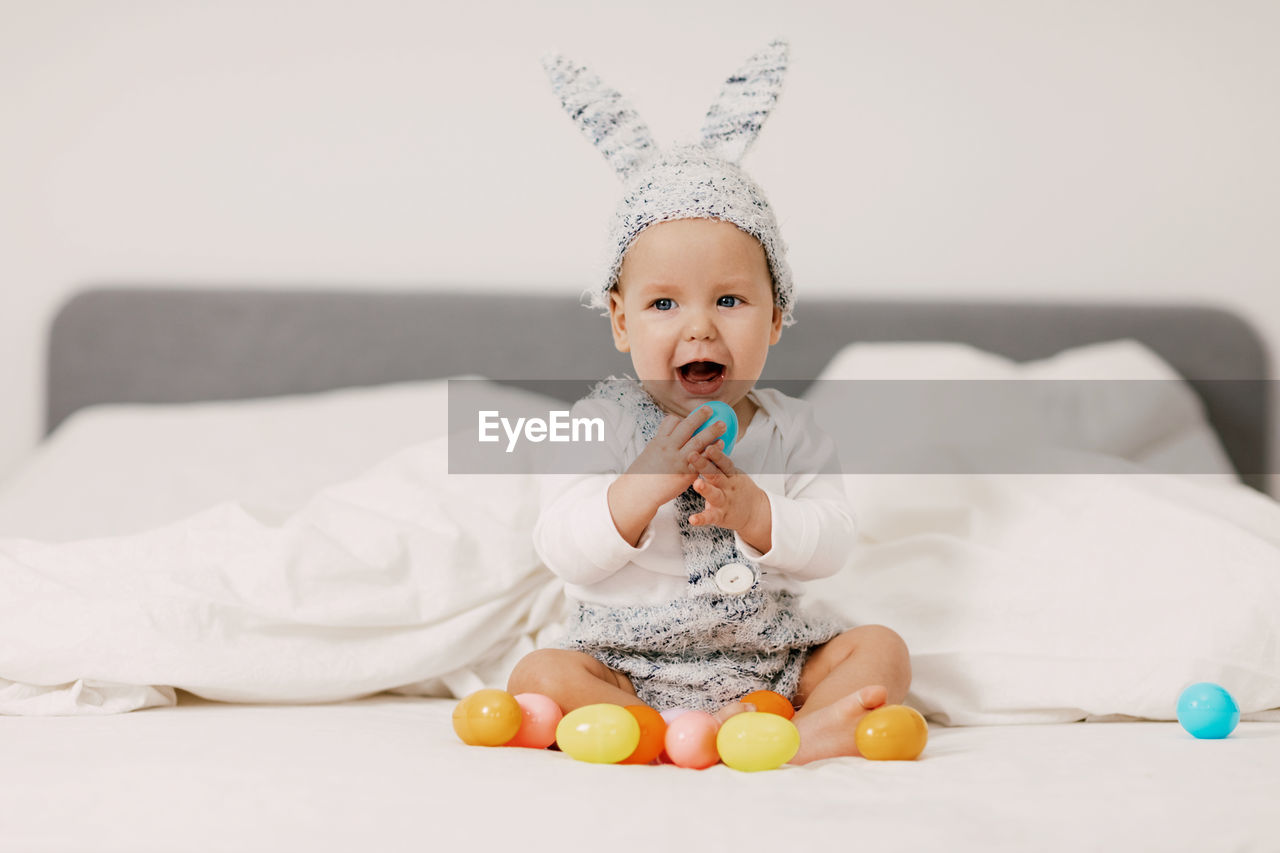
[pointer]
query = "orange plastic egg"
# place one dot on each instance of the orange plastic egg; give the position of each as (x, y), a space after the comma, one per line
(653, 730)
(487, 718)
(892, 733)
(768, 702)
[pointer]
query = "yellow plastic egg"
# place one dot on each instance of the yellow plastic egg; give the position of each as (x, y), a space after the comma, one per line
(487, 718)
(757, 741)
(601, 734)
(892, 733)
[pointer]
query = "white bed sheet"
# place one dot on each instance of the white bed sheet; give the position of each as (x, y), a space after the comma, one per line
(387, 773)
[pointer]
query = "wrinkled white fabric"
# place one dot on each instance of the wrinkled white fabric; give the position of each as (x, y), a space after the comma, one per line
(1053, 598)
(406, 575)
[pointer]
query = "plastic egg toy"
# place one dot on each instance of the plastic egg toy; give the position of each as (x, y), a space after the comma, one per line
(691, 740)
(891, 733)
(487, 718)
(667, 717)
(540, 716)
(600, 734)
(757, 740)
(1208, 711)
(653, 733)
(769, 702)
(725, 413)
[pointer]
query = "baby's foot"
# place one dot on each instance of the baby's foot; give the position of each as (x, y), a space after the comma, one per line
(830, 731)
(731, 710)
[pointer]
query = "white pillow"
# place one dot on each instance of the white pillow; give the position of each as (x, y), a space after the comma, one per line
(1155, 420)
(116, 469)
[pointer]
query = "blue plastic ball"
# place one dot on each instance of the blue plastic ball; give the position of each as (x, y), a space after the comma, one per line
(1207, 711)
(722, 412)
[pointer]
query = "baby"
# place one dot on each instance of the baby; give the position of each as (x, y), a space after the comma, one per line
(686, 568)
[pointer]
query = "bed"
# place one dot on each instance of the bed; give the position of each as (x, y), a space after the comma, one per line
(157, 395)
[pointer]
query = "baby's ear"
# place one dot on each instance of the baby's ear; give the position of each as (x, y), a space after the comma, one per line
(775, 326)
(618, 321)
(607, 118)
(748, 96)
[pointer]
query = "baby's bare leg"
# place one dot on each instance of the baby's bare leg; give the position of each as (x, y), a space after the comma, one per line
(841, 681)
(572, 679)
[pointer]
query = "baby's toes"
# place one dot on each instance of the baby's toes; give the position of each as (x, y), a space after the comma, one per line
(873, 696)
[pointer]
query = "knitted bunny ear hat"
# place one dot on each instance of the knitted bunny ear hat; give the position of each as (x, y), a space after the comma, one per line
(698, 180)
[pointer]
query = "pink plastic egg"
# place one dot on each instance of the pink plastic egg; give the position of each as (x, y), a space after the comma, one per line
(691, 740)
(667, 716)
(540, 716)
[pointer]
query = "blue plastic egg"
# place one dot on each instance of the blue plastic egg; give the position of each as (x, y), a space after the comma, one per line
(722, 412)
(1206, 710)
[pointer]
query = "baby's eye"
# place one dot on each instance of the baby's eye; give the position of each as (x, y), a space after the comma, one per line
(731, 301)
(663, 304)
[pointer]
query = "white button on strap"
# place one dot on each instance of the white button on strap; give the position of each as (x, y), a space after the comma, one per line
(735, 578)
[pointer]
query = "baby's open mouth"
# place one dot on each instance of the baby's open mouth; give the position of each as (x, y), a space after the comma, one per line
(703, 378)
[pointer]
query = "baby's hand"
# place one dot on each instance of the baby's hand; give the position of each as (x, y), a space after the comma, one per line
(667, 461)
(733, 500)
(663, 470)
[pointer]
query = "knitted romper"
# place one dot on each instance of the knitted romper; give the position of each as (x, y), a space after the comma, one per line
(709, 648)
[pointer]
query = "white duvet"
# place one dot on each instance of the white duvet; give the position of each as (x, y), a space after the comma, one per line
(1023, 598)
(398, 577)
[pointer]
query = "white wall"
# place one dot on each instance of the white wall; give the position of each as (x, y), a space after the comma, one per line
(1112, 149)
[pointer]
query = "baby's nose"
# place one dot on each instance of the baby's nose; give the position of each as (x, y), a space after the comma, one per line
(699, 325)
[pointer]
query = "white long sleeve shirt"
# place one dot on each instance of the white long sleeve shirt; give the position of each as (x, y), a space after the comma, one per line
(813, 531)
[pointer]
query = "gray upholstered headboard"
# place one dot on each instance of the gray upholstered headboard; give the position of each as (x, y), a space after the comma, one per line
(177, 344)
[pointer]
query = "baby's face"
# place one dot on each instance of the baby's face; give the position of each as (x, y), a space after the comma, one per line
(694, 307)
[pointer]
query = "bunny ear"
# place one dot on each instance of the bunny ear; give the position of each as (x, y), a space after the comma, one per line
(748, 96)
(607, 119)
